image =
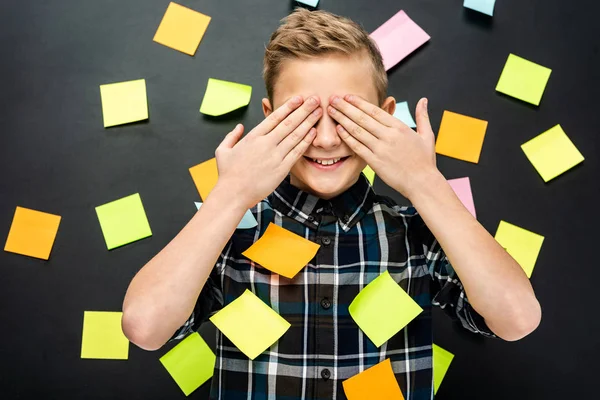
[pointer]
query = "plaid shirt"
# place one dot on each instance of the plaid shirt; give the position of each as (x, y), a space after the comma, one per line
(361, 235)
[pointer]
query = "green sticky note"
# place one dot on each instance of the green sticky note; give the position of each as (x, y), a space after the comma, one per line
(383, 308)
(124, 102)
(523, 79)
(222, 97)
(523, 245)
(190, 363)
(441, 363)
(250, 324)
(103, 337)
(370, 174)
(552, 153)
(123, 221)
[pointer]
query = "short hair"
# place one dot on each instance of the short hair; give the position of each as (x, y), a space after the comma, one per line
(304, 34)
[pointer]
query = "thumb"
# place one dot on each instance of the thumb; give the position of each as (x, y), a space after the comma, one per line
(423, 123)
(233, 137)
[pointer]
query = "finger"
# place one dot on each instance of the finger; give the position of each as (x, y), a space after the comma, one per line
(423, 123)
(295, 119)
(355, 145)
(298, 151)
(292, 139)
(359, 133)
(358, 116)
(233, 137)
(277, 116)
(376, 113)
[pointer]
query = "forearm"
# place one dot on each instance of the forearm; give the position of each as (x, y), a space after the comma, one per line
(163, 293)
(496, 285)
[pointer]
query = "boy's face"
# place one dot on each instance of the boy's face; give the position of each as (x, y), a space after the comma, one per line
(333, 74)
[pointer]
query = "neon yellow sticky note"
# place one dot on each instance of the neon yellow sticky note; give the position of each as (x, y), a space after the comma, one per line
(370, 174)
(250, 324)
(376, 382)
(282, 251)
(182, 28)
(441, 363)
(523, 245)
(222, 97)
(552, 153)
(190, 363)
(103, 337)
(383, 308)
(123, 221)
(32, 233)
(523, 79)
(124, 102)
(205, 176)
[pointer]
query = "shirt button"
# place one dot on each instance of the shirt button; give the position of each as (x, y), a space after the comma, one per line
(326, 241)
(346, 219)
(325, 374)
(325, 303)
(311, 218)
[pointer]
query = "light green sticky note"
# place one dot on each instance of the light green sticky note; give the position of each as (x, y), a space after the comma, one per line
(222, 97)
(552, 153)
(250, 324)
(124, 102)
(523, 245)
(103, 337)
(190, 363)
(523, 79)
(383, 308)
(441, 363)
(123, 221)
(370, 174)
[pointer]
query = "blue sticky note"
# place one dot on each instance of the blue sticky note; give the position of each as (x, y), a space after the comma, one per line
(248, 221)
(312, 3)
(403, 114)
(483, 6)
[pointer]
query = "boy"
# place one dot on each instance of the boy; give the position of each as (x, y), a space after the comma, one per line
(327, 116)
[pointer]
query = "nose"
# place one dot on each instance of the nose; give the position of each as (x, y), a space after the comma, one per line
(327, 137)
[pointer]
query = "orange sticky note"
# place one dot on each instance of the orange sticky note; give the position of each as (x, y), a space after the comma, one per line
(282, 251)
(205, 177)
(32, 233)
(377, 382)
(461, 136)
(182, 28)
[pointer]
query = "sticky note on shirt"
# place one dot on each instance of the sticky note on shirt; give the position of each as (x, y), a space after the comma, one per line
(222, 97)
(250, 324)
(441, 363)
(483, 6)
(103, 337)
(124, 102)
(282, 251)
(32, 233)
(205, 176)
(523, 79)
(182, 28)
(461, 137)
(123, 221)
(403, 114)
(190, 363)
(248, 221)
(397, 38)
(462, 188)
(552, 153)
(376, 382)
(383, 308)
(370, 174)
(523, 245)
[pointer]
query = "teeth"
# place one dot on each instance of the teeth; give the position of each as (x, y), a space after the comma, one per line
(326, 162)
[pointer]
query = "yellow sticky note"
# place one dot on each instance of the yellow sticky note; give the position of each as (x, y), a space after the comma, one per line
(441, 363)
(182, 28)
(205, 176)
(377, 382)
(461, 137)
(523, 245)
(32, 233)
(103, 337)
(250, 324)
(124, 102)
(222, 97)
(383, 308)
(552, 153)
(123, 221)
(370, 174)
(523, 79)
(282, 251)
(190, 363)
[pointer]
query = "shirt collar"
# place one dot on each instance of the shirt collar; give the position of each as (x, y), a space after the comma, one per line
(349, 207)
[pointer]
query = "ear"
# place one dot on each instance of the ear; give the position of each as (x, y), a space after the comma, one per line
(389, 105)
(266, 106)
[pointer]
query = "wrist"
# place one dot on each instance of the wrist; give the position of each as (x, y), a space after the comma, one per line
(224, 197)
(425, 185)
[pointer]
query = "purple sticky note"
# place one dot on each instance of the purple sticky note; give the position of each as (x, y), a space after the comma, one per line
(397, 38)
(462, 188)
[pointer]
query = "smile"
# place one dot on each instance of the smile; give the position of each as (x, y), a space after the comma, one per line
(326, 164)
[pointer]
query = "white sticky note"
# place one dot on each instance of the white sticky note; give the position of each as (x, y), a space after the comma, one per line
(248, 221)
(483, 6)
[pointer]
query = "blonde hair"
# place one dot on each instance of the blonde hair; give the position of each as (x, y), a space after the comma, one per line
(305, 34)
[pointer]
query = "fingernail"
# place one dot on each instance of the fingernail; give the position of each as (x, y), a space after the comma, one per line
(317, 112)
(349, 98)
(331, 110)
(312, 101)
(425, 102)
(335, 100)
(296, 100)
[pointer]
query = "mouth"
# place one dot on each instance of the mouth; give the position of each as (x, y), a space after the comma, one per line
(326, 164)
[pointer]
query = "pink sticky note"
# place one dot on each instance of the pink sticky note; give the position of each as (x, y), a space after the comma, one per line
(397, 38)
(462, 188)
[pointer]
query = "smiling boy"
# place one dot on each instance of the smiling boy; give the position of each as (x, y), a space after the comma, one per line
(327, 116)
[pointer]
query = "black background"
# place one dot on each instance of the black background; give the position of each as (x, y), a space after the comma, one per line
(55, 156)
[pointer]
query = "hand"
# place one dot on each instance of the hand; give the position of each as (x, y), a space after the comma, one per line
(401, 157)
(253, 167)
